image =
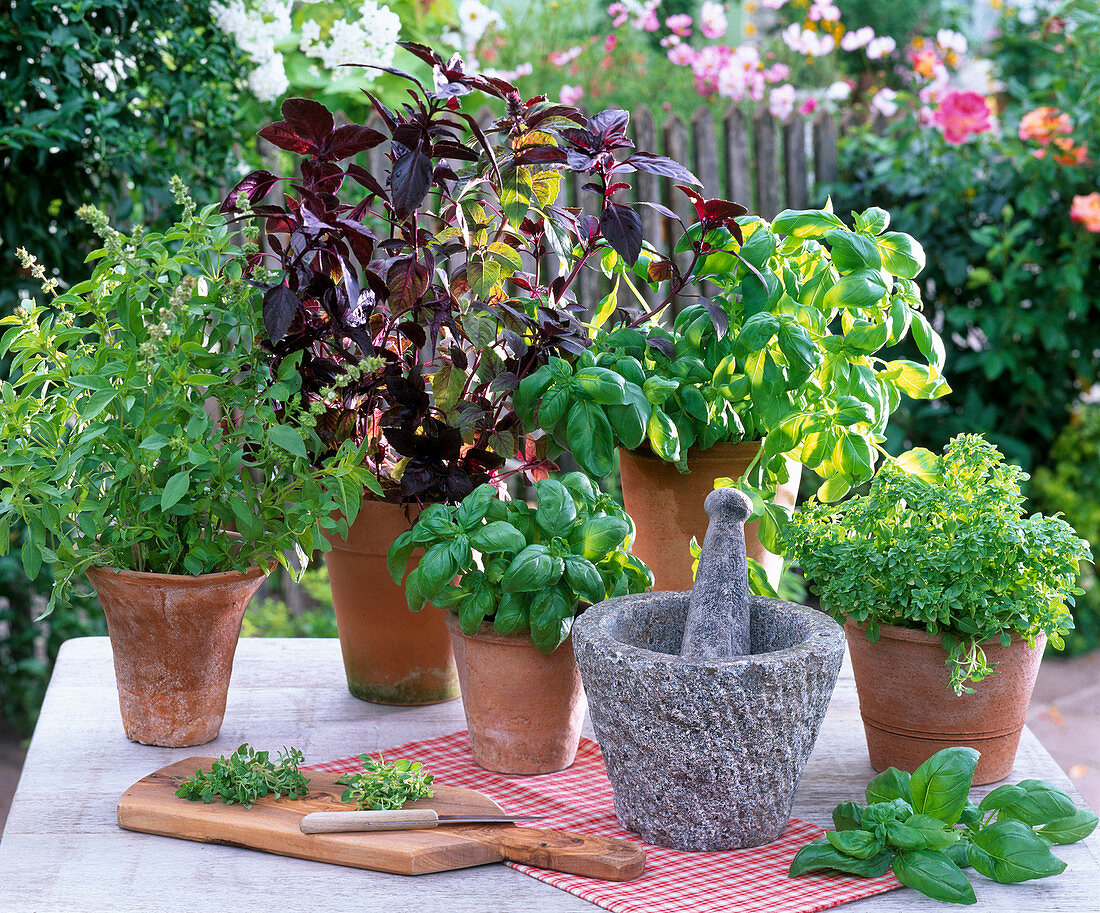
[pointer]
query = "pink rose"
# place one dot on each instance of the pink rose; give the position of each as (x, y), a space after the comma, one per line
(961, 114)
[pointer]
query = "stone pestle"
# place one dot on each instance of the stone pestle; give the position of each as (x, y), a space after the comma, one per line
(717, 624)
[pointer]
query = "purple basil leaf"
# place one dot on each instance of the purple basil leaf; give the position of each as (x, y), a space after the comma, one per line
(622, 228)
(368, 180)
(349, 140)
(280, 308)
(663, 166)
(578, 160)
(408, 280)
(579, 137)
(541, 155)
(383, 112)
(451, 150)
(281, 134)
(718, 317)
(663, 210)
(662, 344)
(611, 124)
(409, 182)
(589, 228)
(422, 51)
(413, 332)
(255, 186)
(308, 118)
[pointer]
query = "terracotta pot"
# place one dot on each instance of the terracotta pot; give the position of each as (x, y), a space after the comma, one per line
(391, 655)
(524, 709)
(173, 639)
(910, 711)
(667, 508)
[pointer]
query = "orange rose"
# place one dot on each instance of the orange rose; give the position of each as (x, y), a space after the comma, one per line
(1086, 210)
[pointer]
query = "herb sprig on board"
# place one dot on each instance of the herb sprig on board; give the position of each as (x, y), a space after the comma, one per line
(926, 827)
(386, 784)
(248, 775)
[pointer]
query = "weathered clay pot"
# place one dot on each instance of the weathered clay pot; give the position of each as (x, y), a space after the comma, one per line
(524, 709)
(173, 639)
(391, 655)
(910, 711)
(667, 507)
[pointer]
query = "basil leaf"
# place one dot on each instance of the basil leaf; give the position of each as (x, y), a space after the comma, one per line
(859, 843)
(599, 536)
(959, 853)
(601, 385)
(890, 784)
(532, 569)
(1032, 801)
(397, 558)
(556, 510)
(590, 438)
(511, 615)
(820, 855)
(581, 575)
(934, 875)
(551, 619)
(498, 537)
(941, 785)
(1071, 828)
(903, 837)
(1009, 851)
(935, 833)
(438, 567)
(474, 506)
(848, 816)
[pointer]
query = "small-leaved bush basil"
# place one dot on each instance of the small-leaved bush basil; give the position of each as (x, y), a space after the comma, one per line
(926, 827)
(522, 568)
(941, 544)
(139, 428)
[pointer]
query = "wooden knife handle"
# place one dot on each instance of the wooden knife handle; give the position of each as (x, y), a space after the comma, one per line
(578, 854)
(355, 821)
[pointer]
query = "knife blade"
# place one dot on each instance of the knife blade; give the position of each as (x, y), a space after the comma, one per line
(399, 820)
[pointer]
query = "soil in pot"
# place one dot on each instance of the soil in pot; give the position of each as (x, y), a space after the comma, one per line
(667, 508)
(910, 711)
(173, 638)
(524, 709)
(391, 655)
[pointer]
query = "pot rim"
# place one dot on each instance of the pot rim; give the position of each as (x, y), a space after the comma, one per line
(488, 634)
(695, 453)
(180, 579)
(915, 635)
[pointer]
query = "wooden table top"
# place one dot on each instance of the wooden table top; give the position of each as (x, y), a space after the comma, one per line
(62, 851)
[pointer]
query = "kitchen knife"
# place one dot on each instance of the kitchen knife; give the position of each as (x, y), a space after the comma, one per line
(397, 820)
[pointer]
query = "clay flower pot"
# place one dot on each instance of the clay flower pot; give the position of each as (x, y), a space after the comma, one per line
(910, 711)
(667, 507)
(524, 709)
(391, 655)
(173, 639)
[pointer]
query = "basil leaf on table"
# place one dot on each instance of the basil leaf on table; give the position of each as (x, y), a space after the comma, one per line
(820, 856)
(934, 875)
(941, 785)
(1009, 851)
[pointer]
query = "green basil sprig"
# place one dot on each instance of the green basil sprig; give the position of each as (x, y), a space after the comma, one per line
(386, 784)
(926, 827)
(248, 775)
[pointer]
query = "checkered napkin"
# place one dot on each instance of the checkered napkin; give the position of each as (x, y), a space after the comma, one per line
(579, 799)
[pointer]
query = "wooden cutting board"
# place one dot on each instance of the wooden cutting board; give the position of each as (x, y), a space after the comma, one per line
(271, 825)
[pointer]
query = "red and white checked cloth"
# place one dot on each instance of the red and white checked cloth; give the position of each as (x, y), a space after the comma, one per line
(579, 799)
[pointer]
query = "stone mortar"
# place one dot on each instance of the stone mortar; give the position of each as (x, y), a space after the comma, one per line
(705, 753)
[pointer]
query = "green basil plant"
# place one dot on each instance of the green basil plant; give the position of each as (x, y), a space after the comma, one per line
(940, 543)
(927, 828)
(789, 351)
(139, 427)
(522, 568)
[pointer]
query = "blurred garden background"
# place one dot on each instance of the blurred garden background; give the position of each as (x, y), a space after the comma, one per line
(974, 123)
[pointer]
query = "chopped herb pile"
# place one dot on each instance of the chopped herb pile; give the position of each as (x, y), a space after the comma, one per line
(386, 785)
(246, 776)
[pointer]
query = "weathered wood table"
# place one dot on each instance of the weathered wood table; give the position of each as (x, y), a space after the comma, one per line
(62, 851)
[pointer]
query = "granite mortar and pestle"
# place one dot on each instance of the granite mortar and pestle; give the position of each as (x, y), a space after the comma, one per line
(706, 704)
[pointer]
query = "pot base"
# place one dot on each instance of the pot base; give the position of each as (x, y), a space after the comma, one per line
(910, 712)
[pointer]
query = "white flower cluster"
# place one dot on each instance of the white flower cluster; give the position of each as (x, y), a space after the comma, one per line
(371, 39)
(260, 26)
(257, 28)
(807, 42)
